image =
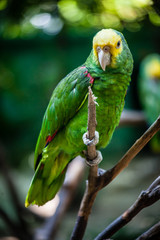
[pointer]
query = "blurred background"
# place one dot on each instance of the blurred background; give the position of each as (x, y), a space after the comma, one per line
(40, 42)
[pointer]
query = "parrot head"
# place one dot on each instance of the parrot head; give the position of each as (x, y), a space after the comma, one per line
(110, 50)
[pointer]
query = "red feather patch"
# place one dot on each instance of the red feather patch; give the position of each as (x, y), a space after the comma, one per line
(91, 79)
(50, 138)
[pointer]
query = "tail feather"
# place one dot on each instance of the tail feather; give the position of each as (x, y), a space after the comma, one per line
(40, 193)
(48, 179)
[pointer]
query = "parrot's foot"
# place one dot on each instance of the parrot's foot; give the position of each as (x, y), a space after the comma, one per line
(96, 160)
(89, 142)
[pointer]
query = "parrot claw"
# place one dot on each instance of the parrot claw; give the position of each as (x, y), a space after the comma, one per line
(89, 142)
(96, 160)
(101, 171)
(95, 98)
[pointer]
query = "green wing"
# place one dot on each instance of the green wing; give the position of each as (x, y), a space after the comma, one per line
(65, 101)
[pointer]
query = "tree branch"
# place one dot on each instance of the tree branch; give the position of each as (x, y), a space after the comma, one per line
(90, 192)
(152, 233)
(110, 174)
(91, 149)
(145, 199)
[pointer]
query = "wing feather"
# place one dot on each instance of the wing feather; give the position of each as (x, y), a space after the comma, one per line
(66, 100)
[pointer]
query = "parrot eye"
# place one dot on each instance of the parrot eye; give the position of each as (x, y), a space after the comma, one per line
(98, 49)
(118, 44)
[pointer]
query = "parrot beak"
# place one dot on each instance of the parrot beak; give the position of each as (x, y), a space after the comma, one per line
(104, 58)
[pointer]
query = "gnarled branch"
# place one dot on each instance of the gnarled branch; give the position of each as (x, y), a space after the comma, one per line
(145, 199)
(152, 233)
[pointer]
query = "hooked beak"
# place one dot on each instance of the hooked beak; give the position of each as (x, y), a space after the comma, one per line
(104, 58)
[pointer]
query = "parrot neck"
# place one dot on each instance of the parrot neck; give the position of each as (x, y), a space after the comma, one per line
(111, 89)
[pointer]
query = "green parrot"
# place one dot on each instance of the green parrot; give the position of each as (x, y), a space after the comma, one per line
(149, 92)
(108, 71)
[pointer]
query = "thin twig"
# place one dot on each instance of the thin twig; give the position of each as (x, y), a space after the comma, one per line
(152, 233)
(91, 149)
(146, 198)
